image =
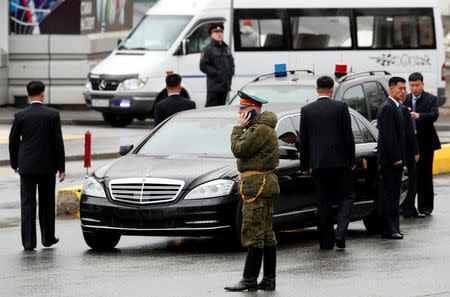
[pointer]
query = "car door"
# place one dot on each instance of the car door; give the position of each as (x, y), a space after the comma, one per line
(365, 175)
(296, 190)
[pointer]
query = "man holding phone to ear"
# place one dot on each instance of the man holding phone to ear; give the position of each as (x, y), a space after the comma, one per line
(255, 145)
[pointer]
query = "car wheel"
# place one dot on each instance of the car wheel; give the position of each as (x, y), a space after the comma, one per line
(101, 241)
(117, 120)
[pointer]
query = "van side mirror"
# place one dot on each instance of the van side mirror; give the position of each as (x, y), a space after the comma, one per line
(185, 46)
(125, 149)
(289, 153)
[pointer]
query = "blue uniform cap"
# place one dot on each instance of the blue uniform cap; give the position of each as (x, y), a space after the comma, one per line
(250, 100)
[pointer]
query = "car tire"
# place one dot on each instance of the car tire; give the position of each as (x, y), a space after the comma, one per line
(101, 241)
(117, 120)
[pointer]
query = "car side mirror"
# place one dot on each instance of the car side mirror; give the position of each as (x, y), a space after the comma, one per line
(125, 149)
(374, 123)
(119, 41)
(287, 152)
(184, 46)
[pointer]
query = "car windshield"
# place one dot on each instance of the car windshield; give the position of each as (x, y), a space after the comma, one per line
(199, 136)
(155, 33)
(280, 93)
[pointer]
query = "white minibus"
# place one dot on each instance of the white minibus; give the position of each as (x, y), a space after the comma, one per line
(400, 37)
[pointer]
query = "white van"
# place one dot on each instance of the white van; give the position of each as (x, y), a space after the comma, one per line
(400, 37)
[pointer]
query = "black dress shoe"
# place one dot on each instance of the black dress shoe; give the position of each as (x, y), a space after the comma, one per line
(55, 241)
(29, 249)
(394, 236)
(340, 243)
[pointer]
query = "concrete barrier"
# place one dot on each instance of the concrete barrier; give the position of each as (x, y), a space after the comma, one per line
(441, 163)
(68, 202)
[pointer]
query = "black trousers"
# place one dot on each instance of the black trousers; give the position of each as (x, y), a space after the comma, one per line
(45, 184)
(392, 181)
(425, 191)
(215, 98)
(334, 186)
(408, 206)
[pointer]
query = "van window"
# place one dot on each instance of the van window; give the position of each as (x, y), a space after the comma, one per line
(199, 39)
(387, 29)
(320, 32)
(261, 33)
(354, 97)
(155, 33)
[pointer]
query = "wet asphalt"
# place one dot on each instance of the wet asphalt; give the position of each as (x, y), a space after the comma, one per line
(418, 265)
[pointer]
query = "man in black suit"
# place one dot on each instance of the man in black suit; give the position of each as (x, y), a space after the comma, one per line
(174, 102)
(407, 208)
(36, 151)
(424, 112)
(392, 151)
(328, 148)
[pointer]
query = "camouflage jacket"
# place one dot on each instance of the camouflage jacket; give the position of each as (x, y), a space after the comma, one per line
(256, 148)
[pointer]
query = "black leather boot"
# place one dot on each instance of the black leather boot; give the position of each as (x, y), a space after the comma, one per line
(252, 267)
(270, 264)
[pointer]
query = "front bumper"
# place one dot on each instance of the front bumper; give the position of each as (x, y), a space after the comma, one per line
(202, 217)
(139, 103)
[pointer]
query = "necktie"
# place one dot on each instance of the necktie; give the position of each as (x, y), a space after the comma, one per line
(414, 101)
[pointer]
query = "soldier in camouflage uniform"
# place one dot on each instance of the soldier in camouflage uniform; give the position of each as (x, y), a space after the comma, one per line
(254, 144)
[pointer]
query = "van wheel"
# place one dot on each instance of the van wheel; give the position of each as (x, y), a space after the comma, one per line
(117, 120)
(101, 241)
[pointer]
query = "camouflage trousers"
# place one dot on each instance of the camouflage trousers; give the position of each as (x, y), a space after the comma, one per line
(257, 218)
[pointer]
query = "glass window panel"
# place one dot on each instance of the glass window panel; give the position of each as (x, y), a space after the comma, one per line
(357, 135)
(320, 32)
(366, 135)
(156, 33)
(354, 97)
(261, 33)
(286, 133)
(199, 136)
(199, 39)
(390, 31)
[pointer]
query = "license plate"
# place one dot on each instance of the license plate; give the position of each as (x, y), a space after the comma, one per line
(100, 103)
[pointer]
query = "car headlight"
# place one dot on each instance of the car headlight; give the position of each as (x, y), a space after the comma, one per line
(215, 188)
(133, 83)
(88, 84)
(92, 187)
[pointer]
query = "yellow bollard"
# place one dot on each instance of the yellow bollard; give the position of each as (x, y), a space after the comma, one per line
(441, 162)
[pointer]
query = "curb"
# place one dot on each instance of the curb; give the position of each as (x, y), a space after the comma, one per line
(441, 163)
(68, 201)
(101, 156)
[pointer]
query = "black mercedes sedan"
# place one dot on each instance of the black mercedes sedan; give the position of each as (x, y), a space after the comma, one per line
(181, 180)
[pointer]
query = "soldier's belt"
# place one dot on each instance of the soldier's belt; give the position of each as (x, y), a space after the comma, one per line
(250, 173)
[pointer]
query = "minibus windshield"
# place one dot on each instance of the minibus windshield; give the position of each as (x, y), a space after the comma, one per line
(155, 33)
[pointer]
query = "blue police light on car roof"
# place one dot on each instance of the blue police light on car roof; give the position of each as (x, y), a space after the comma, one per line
(280, 70)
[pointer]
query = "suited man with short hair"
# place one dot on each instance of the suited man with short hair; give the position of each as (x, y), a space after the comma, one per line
(392, 155)
(328, 148)
(424, 112)
(408, 208)
(174, 102)
(36, 151)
